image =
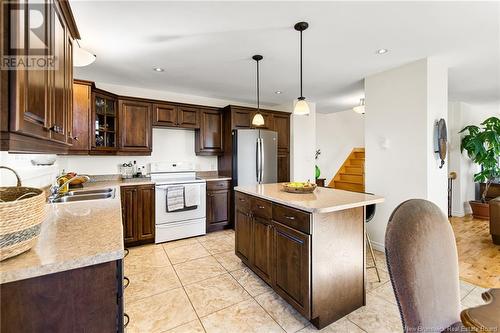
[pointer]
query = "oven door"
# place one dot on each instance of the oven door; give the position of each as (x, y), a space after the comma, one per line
(163, 217)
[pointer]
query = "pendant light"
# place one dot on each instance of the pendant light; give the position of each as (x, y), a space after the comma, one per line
(301, 107)
(361, 107)
(82, 57)
(258, 119)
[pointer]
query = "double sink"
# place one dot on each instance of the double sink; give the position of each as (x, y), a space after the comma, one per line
(83, 195)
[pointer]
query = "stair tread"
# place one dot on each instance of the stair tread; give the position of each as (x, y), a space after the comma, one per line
(349, 182)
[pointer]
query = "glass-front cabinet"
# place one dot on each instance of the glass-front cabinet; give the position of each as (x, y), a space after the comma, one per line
(105, 122)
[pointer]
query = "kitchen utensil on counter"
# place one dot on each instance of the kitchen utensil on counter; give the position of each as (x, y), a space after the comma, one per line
(299, 187)
(127, 170)
(23, 209)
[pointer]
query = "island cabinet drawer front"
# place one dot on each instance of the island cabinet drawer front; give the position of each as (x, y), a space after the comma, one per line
(242, 202)
(217, 185)
(261, 208)
(292, 217)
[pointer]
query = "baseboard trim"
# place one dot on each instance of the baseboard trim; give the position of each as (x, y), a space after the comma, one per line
(457, 214)
(378, 246)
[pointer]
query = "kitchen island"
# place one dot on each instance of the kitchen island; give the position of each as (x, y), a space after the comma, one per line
(310, 248)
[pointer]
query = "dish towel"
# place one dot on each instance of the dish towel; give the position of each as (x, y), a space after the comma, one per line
(191, 195)
(175, 198)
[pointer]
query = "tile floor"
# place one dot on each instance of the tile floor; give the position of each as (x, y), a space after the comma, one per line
(199, 285)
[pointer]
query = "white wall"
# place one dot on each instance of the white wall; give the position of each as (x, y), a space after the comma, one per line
(460, 115)
(336, 135)
(31, 175)
(402, 106)
(169, 145)
(302, 143)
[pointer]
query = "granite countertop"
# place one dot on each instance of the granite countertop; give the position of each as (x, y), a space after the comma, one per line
(322, 200)
(74, 235)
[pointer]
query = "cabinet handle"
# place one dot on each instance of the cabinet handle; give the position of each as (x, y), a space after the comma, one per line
(242, 200)
(127, 280)
(128, 320)
(290, 217)
(260, 207)
(55, 128)
(76, 138)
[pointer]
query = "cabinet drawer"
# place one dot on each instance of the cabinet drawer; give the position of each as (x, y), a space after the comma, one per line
(242, 202)
(292, 217)
(218, 185)
(261, 208)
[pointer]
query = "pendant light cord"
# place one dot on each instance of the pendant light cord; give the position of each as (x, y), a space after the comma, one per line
(258, 89)
(301, 94)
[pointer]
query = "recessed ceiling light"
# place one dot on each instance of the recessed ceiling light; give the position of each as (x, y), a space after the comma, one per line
(381, 51)
(158, 69)
(277, 92)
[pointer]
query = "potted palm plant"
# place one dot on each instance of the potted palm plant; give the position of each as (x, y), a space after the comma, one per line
(482, 144)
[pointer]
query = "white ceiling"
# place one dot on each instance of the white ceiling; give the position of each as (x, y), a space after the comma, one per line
(206, 47)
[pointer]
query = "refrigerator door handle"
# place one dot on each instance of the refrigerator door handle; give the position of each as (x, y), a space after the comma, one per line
(262, 160)
(257, 160)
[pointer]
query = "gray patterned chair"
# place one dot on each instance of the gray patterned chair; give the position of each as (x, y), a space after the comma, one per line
(423, 265)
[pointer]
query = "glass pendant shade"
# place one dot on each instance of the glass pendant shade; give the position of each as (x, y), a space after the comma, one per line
(361, 107)
(82, 57)
(301, 107)
(258, 119)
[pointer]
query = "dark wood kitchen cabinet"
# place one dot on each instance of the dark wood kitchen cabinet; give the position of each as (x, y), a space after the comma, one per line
(104, 123)
(283, 166)
(36, 116)
(218, 201)
(173, 115)
(87, 299)
(138, 214)
(210, 136)
(82, 99)
(135, 127)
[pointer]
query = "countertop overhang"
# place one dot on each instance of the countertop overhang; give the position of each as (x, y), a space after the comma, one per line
(322, 200)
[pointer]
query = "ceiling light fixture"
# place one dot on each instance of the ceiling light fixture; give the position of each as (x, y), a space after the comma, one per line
(301, 107)
(158, 69)
(82, 57)
(278, 92)
(258, 119)
(361, 107)
(381, 51)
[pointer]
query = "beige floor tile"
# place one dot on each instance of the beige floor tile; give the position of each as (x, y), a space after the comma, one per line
(386, 292)
(191, 327)
(282, 312)
(151, 282)
(198, 270)
(180, 242)
(251, 282)
(473, 298)
(144, 258)
(246, 317)
(465, 289)
(218, 245)
(342, 325)
(214, 294)
(185, 253)
(229, 260)
(372, 281)
(377, 316)
(212, 236)
(160, 312)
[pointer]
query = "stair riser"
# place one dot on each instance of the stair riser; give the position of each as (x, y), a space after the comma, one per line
(349, 187)
(352, 178)
(359, 155)
(355, 170)
(357, 162)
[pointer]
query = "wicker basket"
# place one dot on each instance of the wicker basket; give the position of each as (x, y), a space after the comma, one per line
(291, 189)
(22, 210)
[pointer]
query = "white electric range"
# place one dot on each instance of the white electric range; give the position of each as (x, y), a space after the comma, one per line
(181, 223)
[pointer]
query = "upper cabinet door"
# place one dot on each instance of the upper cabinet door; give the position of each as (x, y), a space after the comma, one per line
(282, 126)
(165, 115)
(209, 139)
(135, 125)
(241, 118)
(81, 118)
(59, 105)
(188, 117)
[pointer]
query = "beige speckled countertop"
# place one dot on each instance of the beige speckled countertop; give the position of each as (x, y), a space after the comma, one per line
(74, 235)
(322, 200)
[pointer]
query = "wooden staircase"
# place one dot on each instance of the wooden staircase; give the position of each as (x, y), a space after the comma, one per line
(351, 175)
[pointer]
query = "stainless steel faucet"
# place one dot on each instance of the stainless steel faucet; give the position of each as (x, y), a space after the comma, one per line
(55, 189)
